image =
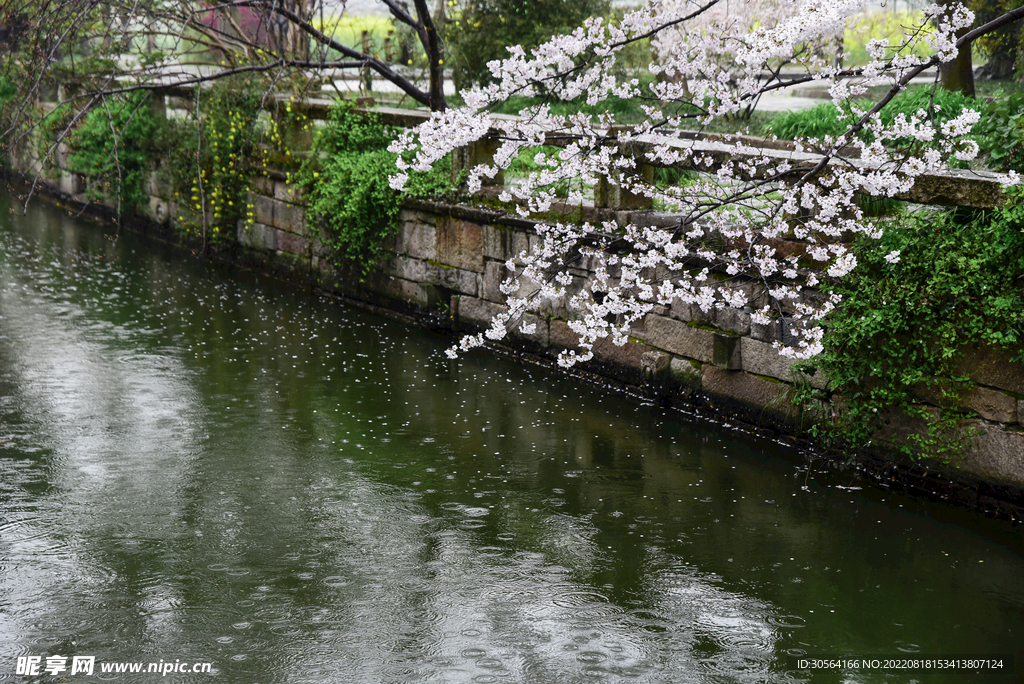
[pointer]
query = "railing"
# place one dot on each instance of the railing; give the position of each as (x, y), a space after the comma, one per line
(963, 188)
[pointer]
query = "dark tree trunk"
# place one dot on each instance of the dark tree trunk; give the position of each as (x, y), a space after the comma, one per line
(958, 75)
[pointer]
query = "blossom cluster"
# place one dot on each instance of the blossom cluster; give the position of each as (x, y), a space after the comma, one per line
(739, 206)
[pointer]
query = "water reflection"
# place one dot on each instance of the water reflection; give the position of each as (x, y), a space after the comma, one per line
(206, 468)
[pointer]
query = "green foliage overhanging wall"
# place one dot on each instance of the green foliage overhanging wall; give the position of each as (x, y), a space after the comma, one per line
(114, 146)
(212, 155)
(346, 183)
(902, 328)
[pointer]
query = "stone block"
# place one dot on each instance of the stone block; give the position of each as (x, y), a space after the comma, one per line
(502, 243)
(71, 183)
(460, 244)
(768, 332)
(158, 185)
(477, 312)
(726, 352)
(988, 403)
(261, 185)
(562, 336)
(406, 268)
(290, 217)
(732, 320)
(655, 364)
(417, 240)
(159, 211)
(679, 338)
(992, 404)
(412, 216)
(263, 209)
(756, 393)
(762, 358)
(687, 373)
(539, 336)
(992, 366)
(477, 153)
(998, 454)
(287, 192)
(628, 356)
(455, 279)
(494, 274)
(293, 244)
(681, 311)
(1020, 411)
(257, 236)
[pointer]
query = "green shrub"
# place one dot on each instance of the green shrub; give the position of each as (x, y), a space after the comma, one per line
(1001, 132)
(826, 119)
(113, 145)
(816, 122)
(347, 187)
(903, 326)
(7, 89)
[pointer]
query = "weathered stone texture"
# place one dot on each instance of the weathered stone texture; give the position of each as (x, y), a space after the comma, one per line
(687, 373)
(291, 218)
(629, 355)
(998, 454)
(503, 243)
(991, 405)
(416, 240)
(494, 273)
(263, 208)
(992, 366)
(295, 244)
(411, 216)
(287, 192)
(257, 236)
(762, 358)
(158, 210)
(748, 389)
(72, 184)
(406, 268)
(562, 336)
(988, 403)
(655, 364)
(477, 312)
(726, 351)
(679, 338)
(460, 244)
(456, 279)
(732, 320)
(539, 336)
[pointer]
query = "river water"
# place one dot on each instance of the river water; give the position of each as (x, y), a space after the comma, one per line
(205, 467)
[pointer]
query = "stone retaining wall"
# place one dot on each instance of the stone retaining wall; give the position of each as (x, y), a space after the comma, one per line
(449, 260)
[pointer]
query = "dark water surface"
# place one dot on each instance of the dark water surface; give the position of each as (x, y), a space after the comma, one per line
(206, 469)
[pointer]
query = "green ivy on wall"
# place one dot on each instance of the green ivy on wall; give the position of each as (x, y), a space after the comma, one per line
(346, 183)
(113, 145)
(932, 286)
(214, 155)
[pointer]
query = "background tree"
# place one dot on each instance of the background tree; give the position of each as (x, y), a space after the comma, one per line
(999, 46)
(92, 50)
(482, 30)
